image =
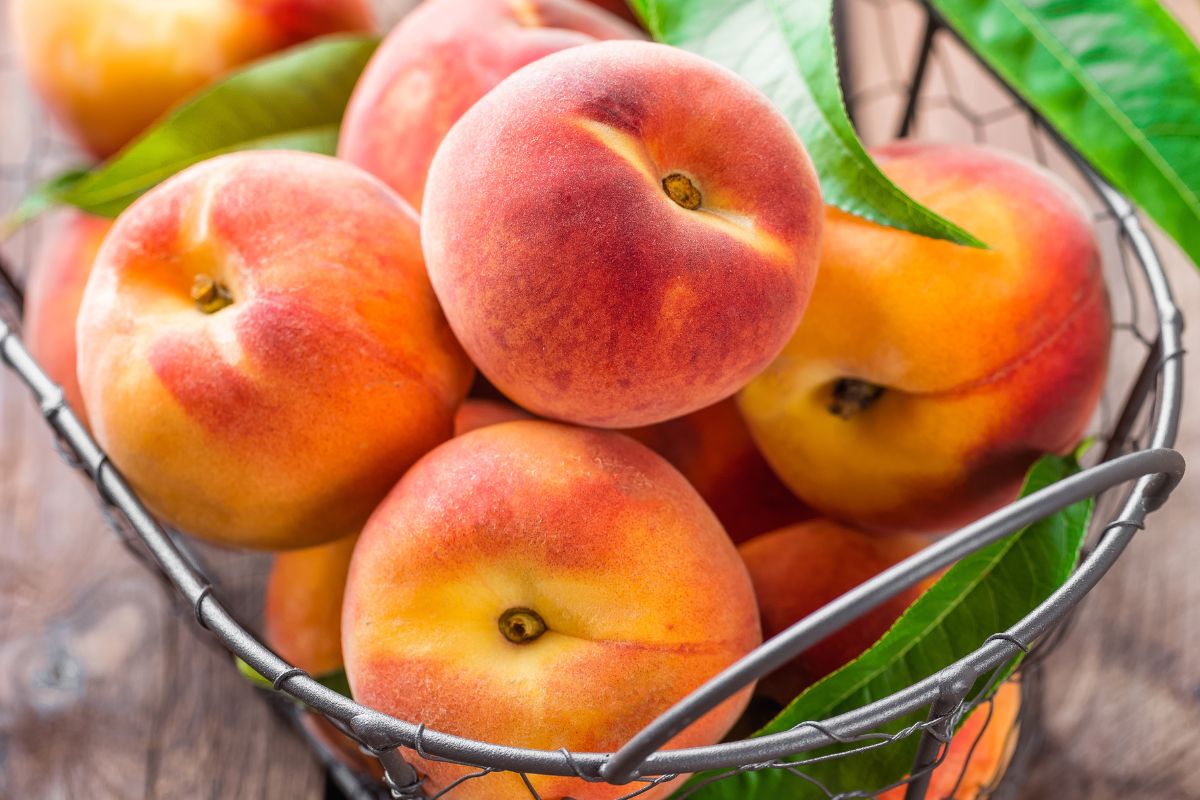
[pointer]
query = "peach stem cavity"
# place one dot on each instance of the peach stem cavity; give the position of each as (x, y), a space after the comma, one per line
(681, 189)
(852, 396)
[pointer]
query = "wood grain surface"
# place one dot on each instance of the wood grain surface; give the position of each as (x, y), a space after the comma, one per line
(107, 691)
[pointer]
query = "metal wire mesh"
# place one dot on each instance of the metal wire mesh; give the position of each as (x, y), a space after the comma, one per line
(922, 83)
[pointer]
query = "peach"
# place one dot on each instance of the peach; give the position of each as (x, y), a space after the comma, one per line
(979, 752)
(302, 610)
(438, 62)
(109, 68)
(713, 449)
(798, 569)
(927, 377)
(302, 623)
(526, 566)
(621, 233)
(53, 295)
(260, 351)
(477, 413)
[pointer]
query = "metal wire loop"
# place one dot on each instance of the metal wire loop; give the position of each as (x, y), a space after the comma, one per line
(283, 676)
(53, 404)
(1123, 523)
(817, 726)
(419, 741)
(1004, 637)
(575, 767)
(205, 591)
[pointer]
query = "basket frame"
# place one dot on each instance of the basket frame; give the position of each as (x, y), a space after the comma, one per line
(1153, 471)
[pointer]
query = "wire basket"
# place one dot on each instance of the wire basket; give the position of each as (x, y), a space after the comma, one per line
(924, 82)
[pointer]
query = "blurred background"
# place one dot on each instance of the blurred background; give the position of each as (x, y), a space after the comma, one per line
(107, 690)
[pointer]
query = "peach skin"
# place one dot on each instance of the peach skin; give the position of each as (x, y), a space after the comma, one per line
(260, 351)
(419, 83)
(302, 610)
(53, 295)
(109, 68)
(927, 377)
(476, 412)
(798, 569)
(302, 623)
(979, 752)
(544, 586)
(714, 451)
(622, 233)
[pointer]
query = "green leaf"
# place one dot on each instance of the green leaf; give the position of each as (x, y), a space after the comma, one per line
(41, 199)
(1119, 79)
(335, 680)
(785, 48)
(291, 101)
(982, 594)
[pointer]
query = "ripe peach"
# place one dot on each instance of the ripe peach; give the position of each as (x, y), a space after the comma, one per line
(714, 451)
(52, 299)
(982, 747)
(420, 82)
(798, 569)
(477, 413)
(260, 351)
(302, 611)
(302, 623)
(108, 68)
(526, 565)
(621, 233)
(926, 377)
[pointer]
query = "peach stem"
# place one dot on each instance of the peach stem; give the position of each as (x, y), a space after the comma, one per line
(521, 625)
(680, 189)
(210, 296)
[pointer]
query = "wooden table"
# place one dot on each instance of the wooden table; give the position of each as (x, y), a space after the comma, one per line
(107, 691)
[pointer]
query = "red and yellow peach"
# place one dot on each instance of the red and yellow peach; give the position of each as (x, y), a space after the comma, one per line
(926, 376)
(438, 62)
(109, 68)
(622, 233)
(525, 565)
(260, 351)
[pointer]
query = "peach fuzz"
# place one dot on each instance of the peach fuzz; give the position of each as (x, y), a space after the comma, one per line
(260, 361)
(109, 68)
(979, 752)
(926, 377)
(713, 449)
(621, 233)
(53, 295)
(544, 586)
(419, 82)
(798, 569)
